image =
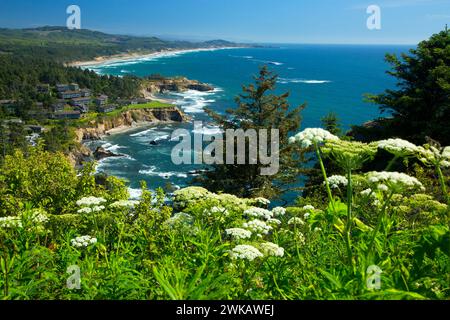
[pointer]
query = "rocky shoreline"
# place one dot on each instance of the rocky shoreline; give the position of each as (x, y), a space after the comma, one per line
(128, 120)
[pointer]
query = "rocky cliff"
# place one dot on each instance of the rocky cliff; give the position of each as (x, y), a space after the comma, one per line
(97, 129)
(156, 85)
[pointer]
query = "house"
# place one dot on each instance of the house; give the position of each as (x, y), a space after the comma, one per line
(74, 87)
(106, 109)
(127, 102)
(67, 115)
(85, 92)
(83, 108)
(36, 129)
(101, 100)
(62, 87)
(43, 88)
(81, 101)
(58, 105)
(70, 94)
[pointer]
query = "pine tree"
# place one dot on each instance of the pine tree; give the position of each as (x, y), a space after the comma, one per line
(258, 108)
(421, 106)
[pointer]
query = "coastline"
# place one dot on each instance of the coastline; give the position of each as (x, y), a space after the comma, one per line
(126, 57)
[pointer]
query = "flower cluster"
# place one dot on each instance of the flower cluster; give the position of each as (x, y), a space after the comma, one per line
(433, 156)
(10, 222)
(271, 249)
(87, 210)
(125, 204)
(394, 180)
(245, 252)
(38, 216)
(217, 211)
(350, 155)
(296, 221)
(90, 201)
(180, 218)
(83, 241)
(311, 136)
(308, 207)
(398, 147)
(278, 211)
(238, 233)
(262, 201)
(258, 226)
(258, 213)
(274, 222)
(337, 180)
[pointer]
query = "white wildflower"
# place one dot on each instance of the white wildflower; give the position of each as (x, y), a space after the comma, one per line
(258, 226)
(10, 222)
(366, 192)
(311, 136)
(83, 241)
(258, 213)
(336, 181)
(125, 204)
(278, 211)
(90, 201)
(98, 208)
(306, 215)
(383, 187)
(238, 233)
(262, 201)
(38, 216)
(433, 156)
(180, 218)
(296, 221)
(317, 229)
(217, 211)
(85, 210)
(245, 252)
(394, 180)
(271, 249)
(308, 207)
(274, 222)
(398, 147)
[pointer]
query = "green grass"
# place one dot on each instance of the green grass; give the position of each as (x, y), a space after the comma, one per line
(149, 105)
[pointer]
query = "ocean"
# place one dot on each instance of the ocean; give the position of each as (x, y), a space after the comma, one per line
(328, 78)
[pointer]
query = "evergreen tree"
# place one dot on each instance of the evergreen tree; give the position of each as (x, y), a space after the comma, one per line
(421, 106)
(258, 108)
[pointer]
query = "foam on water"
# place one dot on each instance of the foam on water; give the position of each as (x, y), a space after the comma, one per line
(152, 171)
(297, 80)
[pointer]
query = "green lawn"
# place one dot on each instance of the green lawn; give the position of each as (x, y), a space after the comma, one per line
(149, 105)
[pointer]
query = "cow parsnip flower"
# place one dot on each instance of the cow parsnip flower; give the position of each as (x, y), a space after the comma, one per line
(350, 155)
(296, 221)
(10, 222)
(125, 204)
(336, 181)
(90, 201)
(257, 226)
(259, 213)
(83, 241)
(239, 233)
(394, 181)
(278, 211)
(245, 252)
(312, 136)
(398, 147)
(432, 156)
(271, 249)
(262, 201)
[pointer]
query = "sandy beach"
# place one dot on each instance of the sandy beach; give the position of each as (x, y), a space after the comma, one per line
(106, 60)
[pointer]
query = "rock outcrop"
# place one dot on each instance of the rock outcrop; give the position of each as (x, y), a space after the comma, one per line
(179, 84)
(132, 118)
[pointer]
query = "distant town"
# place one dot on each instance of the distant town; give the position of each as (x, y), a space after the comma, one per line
(73, 102)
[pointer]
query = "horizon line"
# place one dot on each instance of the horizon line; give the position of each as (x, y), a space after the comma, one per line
(235, 41)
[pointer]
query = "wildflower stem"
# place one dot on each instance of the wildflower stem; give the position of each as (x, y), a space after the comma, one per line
(443, 184)
(379, 222)
(324, 173)
(391, 163)
(349, 216)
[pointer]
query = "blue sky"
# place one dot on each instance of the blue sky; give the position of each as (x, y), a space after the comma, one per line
(280, 21)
